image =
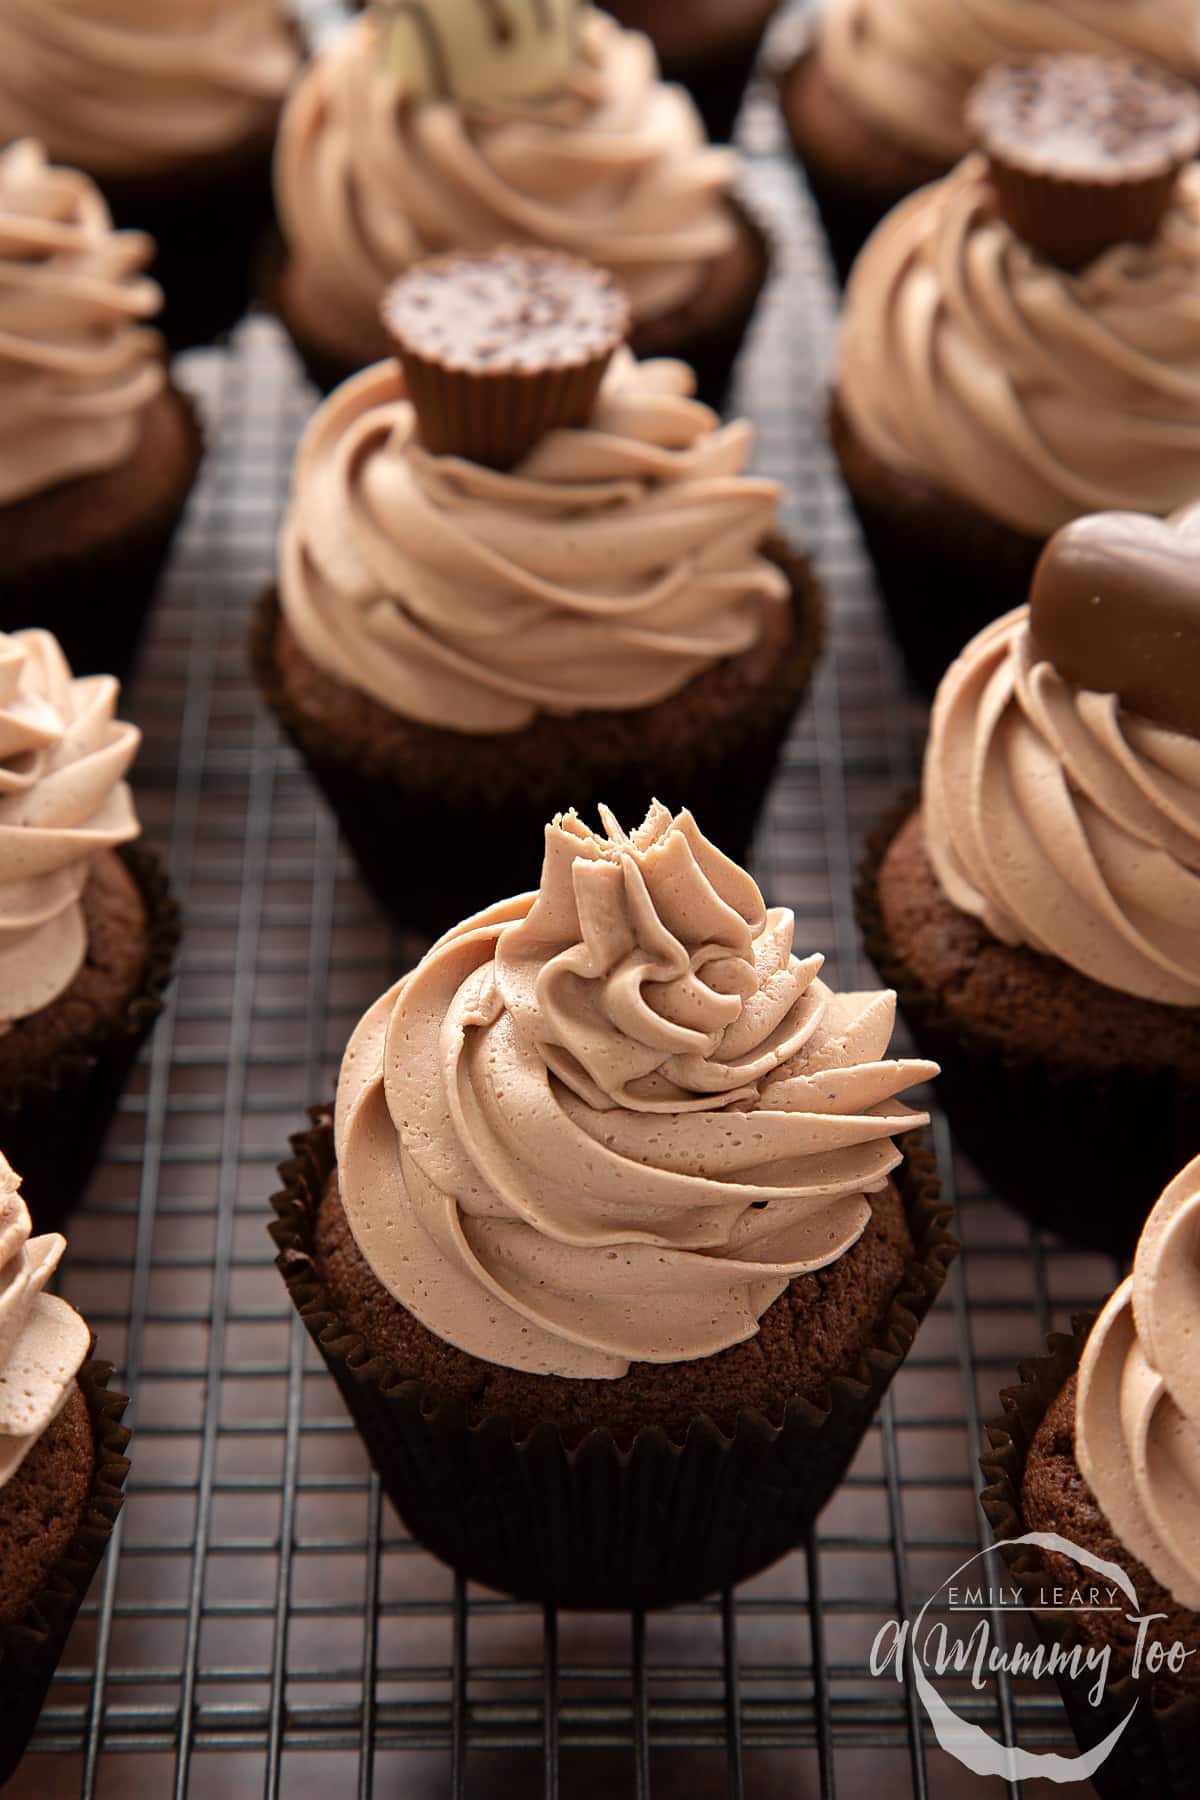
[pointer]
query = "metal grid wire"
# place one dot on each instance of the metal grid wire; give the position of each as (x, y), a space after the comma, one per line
(263, 1626)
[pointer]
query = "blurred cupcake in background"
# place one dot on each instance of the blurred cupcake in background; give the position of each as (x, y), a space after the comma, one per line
(172, 109)
(709, 46)
(62, 1469)
(98, 451)
(876, 104)
(621, 1234)
(520, 567)
(1039, 912)
(422, 131)
(87, 928)
(1021, 344)
(1099, 1446)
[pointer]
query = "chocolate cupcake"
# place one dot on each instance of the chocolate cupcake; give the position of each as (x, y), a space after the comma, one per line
(98, 451)
(172, 110)
(87, 928)
(709, 47)
(989, 391)
(1100, 1446)
(62, 1469)
(876, 104)
(419, 133)
(460, 647)
(1039, 913)
(610, 1248)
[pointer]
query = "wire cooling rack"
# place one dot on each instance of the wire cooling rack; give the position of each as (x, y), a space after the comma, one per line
(263, 1626)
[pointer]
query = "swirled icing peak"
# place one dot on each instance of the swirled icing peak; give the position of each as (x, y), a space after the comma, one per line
(63, 758)
(77, 366)
(43, 1341)
(613, 167)
(123, 87)
(1031, 393)
(1137, 1417)
(609, 567)
(1064, 821)
(909, 64)
(478, 50)
(610, 1120)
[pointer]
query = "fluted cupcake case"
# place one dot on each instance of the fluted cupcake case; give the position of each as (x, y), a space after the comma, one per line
(31, 1648)
(601, 1525)
(1157, 1754)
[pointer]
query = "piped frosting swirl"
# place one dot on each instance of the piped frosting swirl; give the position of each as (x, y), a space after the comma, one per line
(1063, 821)
(1030, 393)
(615, 169)
(609, 567)
(909, 65)
(1137, 1415)
(126, 87)
(77, 366)
(43, 1341)
(611, 1120)
(63, 798)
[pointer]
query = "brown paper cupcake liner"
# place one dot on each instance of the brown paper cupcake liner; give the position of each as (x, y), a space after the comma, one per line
(417, 840)
(1157, 1755)
(53, 1123)
(30, 1650)
(944, 569)
(1029, 1123)
(599, 1525)
(96, 602)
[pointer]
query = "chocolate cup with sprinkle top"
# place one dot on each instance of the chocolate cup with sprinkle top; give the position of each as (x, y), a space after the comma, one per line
(500, 349)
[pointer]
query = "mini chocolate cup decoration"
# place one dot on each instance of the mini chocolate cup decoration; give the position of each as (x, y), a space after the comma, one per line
(1115, 606)
(500, 349)
(1084, 152)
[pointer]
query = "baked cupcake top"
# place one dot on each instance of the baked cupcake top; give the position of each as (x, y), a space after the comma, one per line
(612, 166)
(126, 87)
(43, 1341)
(63, 798)
(1137, 1411)
(1062, 775)
(610, 1120)
(616, 560)
(972, 362)
(77, 365)
(908, 65)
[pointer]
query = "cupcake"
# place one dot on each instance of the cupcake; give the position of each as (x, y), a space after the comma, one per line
(875, 106)
(62, 1469)
(98, 451)
(87, 928)
(172, 109)
(709, 46)
(416, 135)
(1100, 1445)
(1039, 912)
(609, 1245)
(520, 569)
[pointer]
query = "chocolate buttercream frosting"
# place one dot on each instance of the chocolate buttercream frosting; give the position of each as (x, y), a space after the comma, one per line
(612, 167)
(1064, 821)
(63, 759)
(1031, 393)
(77, 365)
(910, 64)
(43, 1341)
(128, 87)
(610, 1120)
(1137, 1410)
(610, 566)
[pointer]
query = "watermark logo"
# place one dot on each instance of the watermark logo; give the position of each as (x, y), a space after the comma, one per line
(926, 1651)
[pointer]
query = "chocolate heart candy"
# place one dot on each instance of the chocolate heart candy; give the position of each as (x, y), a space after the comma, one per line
(1115, 606)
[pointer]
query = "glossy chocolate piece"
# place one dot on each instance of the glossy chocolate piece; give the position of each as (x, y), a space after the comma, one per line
(1115, 606)
(1084, 152)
